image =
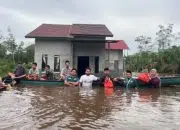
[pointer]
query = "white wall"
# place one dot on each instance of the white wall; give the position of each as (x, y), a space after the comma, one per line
(51, 48)
(90, 49)
(115, 55)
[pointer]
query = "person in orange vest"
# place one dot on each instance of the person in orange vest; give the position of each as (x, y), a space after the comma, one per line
(108, 82)
(108, 86)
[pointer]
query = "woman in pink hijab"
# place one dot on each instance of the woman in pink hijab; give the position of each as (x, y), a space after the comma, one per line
(154, 79)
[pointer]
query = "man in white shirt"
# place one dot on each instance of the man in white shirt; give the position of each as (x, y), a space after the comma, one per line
(87, 79)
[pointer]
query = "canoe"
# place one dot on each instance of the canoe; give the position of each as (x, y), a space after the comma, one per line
(3, 88)
(165, 81)
(43, 82)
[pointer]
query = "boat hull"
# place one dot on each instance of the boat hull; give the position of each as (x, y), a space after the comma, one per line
(165, 81)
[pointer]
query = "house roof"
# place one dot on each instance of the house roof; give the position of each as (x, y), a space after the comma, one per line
(65, 31)
(118, 45)
(90, 29)
(50, 30)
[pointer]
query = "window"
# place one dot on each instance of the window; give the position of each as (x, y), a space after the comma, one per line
(44, 61)
(116, 65)
(106, 63)
(56, 63)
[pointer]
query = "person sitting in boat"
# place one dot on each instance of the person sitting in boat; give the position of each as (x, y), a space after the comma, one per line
(86, 80)
(33, 72)
(72, 80)
(154, 79)
(48, 73)
(108, 83)
(129, 81)
(65, 71)
(16, 76)
(3, 85)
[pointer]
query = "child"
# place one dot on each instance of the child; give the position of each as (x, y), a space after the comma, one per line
(108, 82)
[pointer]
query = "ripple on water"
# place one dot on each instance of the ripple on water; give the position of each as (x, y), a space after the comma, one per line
(15, 110)
(65, 108)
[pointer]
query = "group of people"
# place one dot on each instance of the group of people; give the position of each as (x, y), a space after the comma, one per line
(70, 78)
(151, 79)
(33, 74)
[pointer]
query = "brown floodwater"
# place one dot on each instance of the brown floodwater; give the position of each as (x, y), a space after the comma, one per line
(63, 108)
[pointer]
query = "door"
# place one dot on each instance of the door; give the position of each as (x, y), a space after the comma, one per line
(83, 63)
(116, 65)
(96, 64)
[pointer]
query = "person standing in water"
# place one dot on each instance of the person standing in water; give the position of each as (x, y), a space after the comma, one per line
(108, 83)
(72, 80)
(129, 81)
(105, 74)
(154, 79)
(86, 80)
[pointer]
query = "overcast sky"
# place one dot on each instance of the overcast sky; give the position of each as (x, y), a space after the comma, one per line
(126, 19)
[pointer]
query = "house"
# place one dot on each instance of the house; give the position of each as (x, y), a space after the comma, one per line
(114, 55)
(84, 45)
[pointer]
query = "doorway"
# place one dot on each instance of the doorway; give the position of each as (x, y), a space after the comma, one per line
(96, 64)
(83, 63)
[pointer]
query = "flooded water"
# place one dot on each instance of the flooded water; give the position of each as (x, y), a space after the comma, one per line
(63, 108)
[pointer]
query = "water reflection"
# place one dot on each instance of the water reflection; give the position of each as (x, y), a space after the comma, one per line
(149, 95)
(54, 108)
(109, 91)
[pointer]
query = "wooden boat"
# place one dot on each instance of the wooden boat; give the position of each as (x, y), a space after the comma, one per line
(43, 82)
(2, 88)
(165, 81)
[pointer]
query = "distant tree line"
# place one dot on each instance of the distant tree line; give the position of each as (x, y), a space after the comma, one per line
(12, 52)
(162, 52)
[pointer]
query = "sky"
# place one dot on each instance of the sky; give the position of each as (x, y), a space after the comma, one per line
(126, 19)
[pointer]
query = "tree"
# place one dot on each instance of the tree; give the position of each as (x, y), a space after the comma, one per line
(144, 43)
(2, 47)
(19, 53)
(144, 49)
(164, 36)
(30, 52)
(11, 44)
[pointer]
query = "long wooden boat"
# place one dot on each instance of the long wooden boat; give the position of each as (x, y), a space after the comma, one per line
(3, 88)
(165, 81)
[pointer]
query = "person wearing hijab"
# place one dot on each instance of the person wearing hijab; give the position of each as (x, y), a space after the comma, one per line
(154, 79)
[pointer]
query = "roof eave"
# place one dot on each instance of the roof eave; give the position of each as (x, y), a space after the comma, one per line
(47, 37)
(117, 49)
(91, 35)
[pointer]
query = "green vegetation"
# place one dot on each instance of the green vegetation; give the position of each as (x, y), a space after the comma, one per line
(161, 53)
(12, 52)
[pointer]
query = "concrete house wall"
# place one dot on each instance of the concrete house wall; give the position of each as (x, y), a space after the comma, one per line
(90, 49)
(115, 55)
(68, 50)
(52, 48)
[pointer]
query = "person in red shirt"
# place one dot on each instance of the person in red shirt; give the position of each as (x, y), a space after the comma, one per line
(108, 82)
(108, 86)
